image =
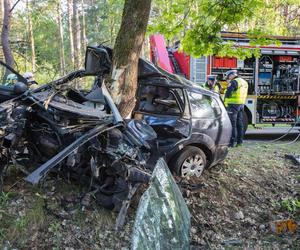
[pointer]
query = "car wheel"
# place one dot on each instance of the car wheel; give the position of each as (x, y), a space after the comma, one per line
(191, 161)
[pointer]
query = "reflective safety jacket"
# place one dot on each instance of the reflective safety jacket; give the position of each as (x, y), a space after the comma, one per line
(238, 96)
(216, 88)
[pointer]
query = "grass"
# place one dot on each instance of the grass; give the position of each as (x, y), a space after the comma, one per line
(27, 221)
(270, 126)
(17, 226)
(4, 198)
(57, 237)
(291, 205)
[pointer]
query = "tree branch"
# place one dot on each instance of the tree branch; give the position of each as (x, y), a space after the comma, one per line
(14, 5)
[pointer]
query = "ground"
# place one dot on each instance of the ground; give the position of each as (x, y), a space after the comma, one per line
(253, 187)
(232, 205)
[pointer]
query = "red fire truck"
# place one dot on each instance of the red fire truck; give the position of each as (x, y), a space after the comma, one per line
(274, 91)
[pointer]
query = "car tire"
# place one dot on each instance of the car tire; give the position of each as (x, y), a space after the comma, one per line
(191, 161)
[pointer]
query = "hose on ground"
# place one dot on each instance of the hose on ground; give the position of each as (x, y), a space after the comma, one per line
(284, 135)
(291, 142)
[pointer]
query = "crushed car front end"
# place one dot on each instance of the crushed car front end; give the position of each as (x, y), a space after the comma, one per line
(80, 135)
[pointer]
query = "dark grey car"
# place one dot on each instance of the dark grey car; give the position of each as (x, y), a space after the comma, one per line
(191, 123)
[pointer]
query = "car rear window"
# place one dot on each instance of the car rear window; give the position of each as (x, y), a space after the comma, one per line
(160, 100)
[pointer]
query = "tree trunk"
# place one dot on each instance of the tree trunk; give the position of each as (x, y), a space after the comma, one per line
(127, 49)
(5, 34)
(112, 30)
(145, 52)
(84, 38)
(1, 18)
(61, 39)
(1, 9)
(76, 35)
(70, 18)
(31, 38)
(286, 15)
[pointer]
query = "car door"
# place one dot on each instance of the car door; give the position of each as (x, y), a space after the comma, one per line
(8, 77)
(164, 109)
(207, 118)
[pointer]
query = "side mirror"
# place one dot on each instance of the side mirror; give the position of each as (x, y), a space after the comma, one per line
(97, 60)
(20, 88)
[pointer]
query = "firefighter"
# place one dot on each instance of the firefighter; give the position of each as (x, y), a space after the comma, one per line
(235, 98)
(30, 80)
(212, 84)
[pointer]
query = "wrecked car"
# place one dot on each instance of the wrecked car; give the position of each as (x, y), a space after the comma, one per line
(72, 126)
(192, 125)
(78, 134)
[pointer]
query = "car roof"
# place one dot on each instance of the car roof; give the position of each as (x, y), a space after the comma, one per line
(148, 71)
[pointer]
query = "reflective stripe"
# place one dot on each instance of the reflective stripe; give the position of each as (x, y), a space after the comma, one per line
(240, 95)
(276, 97)
(216, 88)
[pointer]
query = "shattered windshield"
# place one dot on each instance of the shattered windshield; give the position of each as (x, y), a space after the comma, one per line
(163, 218)
(85, 83)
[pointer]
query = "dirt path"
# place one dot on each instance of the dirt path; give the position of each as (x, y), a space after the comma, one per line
(231, 207)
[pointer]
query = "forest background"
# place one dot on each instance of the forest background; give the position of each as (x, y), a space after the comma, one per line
(49, 38)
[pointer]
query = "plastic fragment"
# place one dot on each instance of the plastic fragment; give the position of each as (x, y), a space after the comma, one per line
(283, 226)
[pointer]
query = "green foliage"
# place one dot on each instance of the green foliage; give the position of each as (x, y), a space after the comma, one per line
(291, 205)
(104, 19)
(198, 23)
(277, 17)
(4, 199)
(55, 230)
(45, 31)
(261, 37)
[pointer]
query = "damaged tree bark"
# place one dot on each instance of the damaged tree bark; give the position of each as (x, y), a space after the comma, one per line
(127, 50)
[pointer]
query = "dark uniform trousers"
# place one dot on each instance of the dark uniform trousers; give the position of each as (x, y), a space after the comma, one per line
(235, 113)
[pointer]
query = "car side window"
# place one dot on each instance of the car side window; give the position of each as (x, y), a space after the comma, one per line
(160, 100)
(203, 106)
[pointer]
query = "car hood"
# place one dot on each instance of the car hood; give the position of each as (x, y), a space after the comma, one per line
(58, 102)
